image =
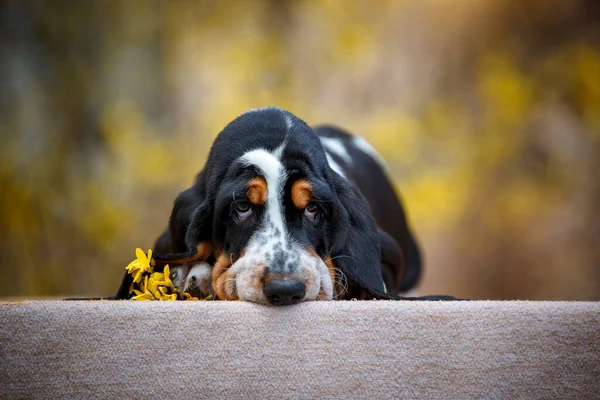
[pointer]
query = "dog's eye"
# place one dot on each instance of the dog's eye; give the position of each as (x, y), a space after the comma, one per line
(310, 212)
(243, 210)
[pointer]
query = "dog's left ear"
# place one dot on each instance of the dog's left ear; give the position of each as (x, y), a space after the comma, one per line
(355, 243)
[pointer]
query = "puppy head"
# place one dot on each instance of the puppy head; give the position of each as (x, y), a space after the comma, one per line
(280, 224)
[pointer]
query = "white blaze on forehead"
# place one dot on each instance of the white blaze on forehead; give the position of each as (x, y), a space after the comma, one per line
(274, 174)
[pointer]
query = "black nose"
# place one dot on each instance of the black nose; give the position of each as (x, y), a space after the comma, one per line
(281, 292)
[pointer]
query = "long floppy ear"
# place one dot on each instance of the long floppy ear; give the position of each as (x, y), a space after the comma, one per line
(188, 237)
(393, 265)
(412, 274)
(189, 229)
(355, 244)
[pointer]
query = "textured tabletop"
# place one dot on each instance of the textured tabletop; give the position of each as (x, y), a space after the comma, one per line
(373, 349)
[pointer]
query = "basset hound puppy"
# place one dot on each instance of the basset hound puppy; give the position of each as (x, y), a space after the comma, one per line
(284, 213)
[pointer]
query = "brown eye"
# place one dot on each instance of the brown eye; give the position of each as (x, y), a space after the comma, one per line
(310, 212)
(243, 210)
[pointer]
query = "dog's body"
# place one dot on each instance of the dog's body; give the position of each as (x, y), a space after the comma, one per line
(283, 213)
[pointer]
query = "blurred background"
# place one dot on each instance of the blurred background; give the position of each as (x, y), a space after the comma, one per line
(488, 113)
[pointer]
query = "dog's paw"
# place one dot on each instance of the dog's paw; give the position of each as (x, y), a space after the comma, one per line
(178, 276)
(195, 279)
(198, 282)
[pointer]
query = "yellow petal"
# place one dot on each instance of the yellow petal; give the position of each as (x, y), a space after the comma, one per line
(165, 291)
(137, 276)
(143, 296)
(169, 297)
(152, 284)
(144, 284)
(139, 253)
(167, 274)
(133, 266)
(158, 276)
(189, 297)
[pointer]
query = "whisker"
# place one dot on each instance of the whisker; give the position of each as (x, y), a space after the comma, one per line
(231, 283)
(343, 255)
(342, 283)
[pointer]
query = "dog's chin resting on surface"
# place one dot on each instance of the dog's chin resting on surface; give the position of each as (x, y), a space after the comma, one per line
(284, 213)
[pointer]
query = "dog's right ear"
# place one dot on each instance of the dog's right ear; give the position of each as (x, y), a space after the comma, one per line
(189, 236)
(190, 229)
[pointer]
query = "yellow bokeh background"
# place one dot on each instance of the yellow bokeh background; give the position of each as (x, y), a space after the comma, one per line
(486, 112)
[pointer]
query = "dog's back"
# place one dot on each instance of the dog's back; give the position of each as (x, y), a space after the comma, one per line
(355, 159)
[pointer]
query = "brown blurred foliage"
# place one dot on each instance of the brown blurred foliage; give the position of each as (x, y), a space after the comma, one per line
(488, 113)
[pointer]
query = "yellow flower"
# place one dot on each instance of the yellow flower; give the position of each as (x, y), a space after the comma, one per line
(140, 265)
(160, 279)
(154, 281)
(163, 294)
(150, 285)
(143, 293)
(189, 297)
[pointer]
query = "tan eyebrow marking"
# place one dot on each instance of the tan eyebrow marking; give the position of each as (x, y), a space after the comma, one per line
(301, 193)
(257, 191)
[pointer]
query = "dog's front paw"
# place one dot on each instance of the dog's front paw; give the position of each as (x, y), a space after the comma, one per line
(195, 279)
(198, 281)
(178, 276)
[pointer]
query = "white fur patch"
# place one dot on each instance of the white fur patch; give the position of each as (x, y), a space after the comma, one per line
(199, 278)
(364, 146)
(179, 275)
(289, 123)
(333, 165)
(336, 146)
(410, 293)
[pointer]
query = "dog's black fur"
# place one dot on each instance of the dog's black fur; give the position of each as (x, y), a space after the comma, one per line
(360, 221)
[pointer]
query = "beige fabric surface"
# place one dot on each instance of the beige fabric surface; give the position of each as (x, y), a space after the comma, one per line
(375, 349)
